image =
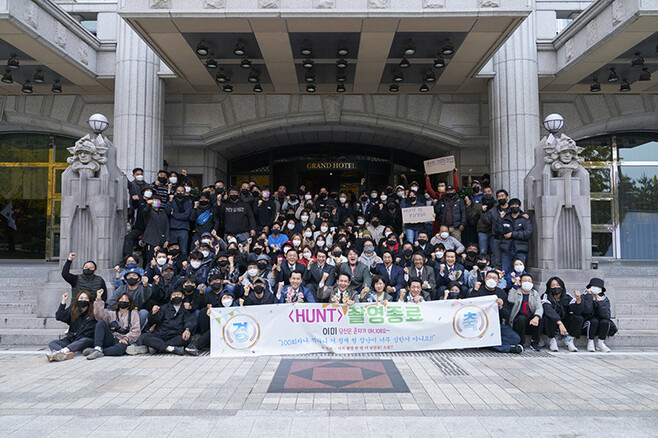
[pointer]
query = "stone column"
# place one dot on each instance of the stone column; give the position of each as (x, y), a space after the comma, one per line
(514, 109)
(138, 104)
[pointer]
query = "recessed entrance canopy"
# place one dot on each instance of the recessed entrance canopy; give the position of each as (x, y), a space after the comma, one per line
(360, 50)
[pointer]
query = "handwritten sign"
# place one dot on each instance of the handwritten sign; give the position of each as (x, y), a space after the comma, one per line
(439, 165)
(414, 215)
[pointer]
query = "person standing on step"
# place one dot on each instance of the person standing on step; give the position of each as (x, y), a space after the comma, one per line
(80, 319)
(597, 315)
(87, 281)
(562, 314)
(116, 329)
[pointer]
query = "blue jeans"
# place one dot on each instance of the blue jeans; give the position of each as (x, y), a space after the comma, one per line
(485, 242)
(180, 237)
(508, 259)
(508, 339)
(411, 235)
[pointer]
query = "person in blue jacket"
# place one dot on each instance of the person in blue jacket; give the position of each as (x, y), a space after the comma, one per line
(179, 211)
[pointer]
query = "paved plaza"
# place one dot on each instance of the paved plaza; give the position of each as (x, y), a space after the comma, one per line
(455, 393)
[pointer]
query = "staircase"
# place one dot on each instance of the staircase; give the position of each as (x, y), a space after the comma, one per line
(19, 324)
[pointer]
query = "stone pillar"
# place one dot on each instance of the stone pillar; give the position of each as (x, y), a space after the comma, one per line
(514, 109)
(138, 104)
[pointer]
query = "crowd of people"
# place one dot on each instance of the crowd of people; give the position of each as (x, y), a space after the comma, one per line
(189, 250)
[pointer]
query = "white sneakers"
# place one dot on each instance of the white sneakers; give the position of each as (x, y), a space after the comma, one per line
(590, 346)
(553, 345)
(568, 342)
(600, 345)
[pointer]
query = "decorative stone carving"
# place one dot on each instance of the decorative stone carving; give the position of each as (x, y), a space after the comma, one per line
(489, 3)
(214, 4)
(32, 15)
(84, 54)
(87, 157)
(557, 198)
(60, 35)
(434, 4)
(379, 4)
(160, 4)
(591, 34)
(269, 4)
(324, 4)
(332, 108)
(617, 12)
(568, 47)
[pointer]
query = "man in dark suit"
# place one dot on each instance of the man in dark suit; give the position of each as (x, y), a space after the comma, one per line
(419, 271)
(284, 269)
(319, 272)
(449, 271)
(392, 273)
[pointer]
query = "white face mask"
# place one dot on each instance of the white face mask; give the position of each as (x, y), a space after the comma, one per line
(252, 272)
(439, 255)
(291, 226)
(206, 241)
(205, 253)
(491, 283)
(324, 229)
(139, 177)
(296, 242)
(519, 268)
(526, 285)
(227, 302)
(304, 218)
(161, 261)
(195, 264)
(286, 249)
(360, 221)
(147, 195)
(308, 197)
(308, 234)
(307, 255)
(343, 200)
(388, 233)
(414, 189)
(320, 243)
(383, 197)
(173, 180)
(373, 195)
(401, 194)
(595, 290)
(427, 196)
(232, 240)
(444, 235)
(188, 189)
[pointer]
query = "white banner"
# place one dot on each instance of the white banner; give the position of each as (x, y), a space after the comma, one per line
(362, 328)
(414, 215)
(439, 165)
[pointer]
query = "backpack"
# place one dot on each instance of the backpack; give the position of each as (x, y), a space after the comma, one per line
(203, 217)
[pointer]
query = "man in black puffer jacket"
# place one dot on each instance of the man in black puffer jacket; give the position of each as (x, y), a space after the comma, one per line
(515, 230)
(174, 326)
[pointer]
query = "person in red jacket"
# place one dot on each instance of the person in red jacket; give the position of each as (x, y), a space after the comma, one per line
(440, 192)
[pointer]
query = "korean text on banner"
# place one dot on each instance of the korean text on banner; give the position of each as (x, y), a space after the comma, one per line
(439, 165)
(414, 215)
(364, 327)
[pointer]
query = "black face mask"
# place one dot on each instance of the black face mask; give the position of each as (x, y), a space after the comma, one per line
(233, 197)
(232, 251)
(325, 215)
(88, 272)
(174, 251)
(451, 195)
(375, 223)
(189, 287)
(162, 180)
(132, 281)
(407, 252)
(204, 203)
(338, 253)
(83, 304)
(481, 265)
(422, 241)
(364, 199)
(290, 216)
(258, 251)
(323, 195)
(391, 243)
(391, 207)
(502, 202)
(275, 231)
(555, 290)
(222, 263)
(177, 301)
(471, 253)
(515, 209)
(216, 286)
(219, 190)
(124, 304)
(259, 289)
(245, 192)
(179, 196)
(293, 198)
(168, 276)
(412, 199)
(476, 190)
(262, 265)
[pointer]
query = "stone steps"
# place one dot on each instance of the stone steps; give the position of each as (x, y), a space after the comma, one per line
(18, 294)
(29, 321)
(23, 336)
(23, 308)
(645, 322)
(634, 309)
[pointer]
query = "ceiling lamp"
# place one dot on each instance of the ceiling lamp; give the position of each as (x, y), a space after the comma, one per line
(612, 77)
(222, 77)
(341, 63)
(228, 88)
(398, 76)
(202, 49)
(307, 63)
(409, 48)
(394, 88)
(306, 49)
(424, 88)
(38, 77)
(6, 78)
(309, 77)
(253, 77)
(211, 63)
(239, 49)
(340, 88)
(439, 62)
(595, 87)
(245, 63)
(624, 86)
(405, 63)
(638, 60)
(310, 88)
(341, 77)
(645, 75)
(27, 87)
(448, 48)
(430, 76)
(57, 87)
(258, 88)
(13, 63)
(342, 49)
